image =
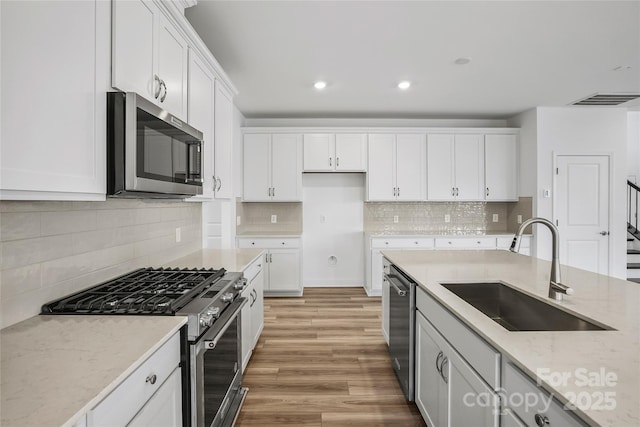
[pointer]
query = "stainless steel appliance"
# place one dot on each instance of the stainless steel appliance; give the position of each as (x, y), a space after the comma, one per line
(402, 316)
(150, 153)
(211, 353)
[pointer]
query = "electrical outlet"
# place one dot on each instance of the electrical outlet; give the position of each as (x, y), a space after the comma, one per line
(274, 219)
(447, 218)
(495, 217)
(396, 219)
(178, 235)
(519, 219)
(323, 219)
(238, 220)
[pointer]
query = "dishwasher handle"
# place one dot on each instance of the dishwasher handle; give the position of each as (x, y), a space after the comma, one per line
(392, 281)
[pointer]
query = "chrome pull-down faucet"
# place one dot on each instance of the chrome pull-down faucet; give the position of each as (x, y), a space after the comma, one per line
(556, 288)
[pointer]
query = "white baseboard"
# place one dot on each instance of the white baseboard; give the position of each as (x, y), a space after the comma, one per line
(323, 283)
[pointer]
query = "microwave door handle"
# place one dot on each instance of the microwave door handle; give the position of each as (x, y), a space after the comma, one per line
(192, 170)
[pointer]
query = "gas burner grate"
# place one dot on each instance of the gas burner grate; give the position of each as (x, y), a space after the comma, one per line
(156, 291)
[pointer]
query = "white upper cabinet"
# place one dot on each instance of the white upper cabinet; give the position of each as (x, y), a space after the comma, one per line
(272, 168)
(223, 128)
(396, 167)
(149, 55)
(501, 172)
(455, 167)
(327, 152)
(55, 75)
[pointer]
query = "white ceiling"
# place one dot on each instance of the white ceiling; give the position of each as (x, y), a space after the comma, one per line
(524, 54)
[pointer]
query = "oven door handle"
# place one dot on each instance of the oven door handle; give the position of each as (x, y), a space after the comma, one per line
(210, 339)
(392, 280)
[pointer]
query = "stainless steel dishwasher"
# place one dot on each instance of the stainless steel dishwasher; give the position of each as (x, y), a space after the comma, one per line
(402, 317)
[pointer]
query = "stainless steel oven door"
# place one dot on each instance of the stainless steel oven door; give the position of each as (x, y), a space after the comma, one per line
(216, 376)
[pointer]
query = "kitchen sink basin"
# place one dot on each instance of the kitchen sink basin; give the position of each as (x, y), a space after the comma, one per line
(516, 311)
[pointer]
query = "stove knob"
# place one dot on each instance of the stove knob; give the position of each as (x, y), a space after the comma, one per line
(214, 312)
(228, 297)
(206, 320)
(240, 284)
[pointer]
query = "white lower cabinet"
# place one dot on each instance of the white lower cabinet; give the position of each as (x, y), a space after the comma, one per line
(448, 391)
(151, 395)
(282, 275)
(253, 312)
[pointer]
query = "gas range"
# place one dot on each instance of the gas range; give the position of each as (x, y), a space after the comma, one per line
(200, 294)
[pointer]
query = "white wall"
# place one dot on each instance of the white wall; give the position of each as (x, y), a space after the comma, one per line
(332, 212)
(633, 145)
(348, 122)
(528, 167)
(573, 130)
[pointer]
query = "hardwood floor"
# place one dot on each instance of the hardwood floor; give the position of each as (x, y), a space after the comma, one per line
(322, 361)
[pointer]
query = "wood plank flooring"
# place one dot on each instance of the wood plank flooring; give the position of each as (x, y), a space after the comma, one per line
(322, 361)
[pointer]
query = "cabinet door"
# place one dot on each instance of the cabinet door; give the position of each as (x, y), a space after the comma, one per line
(319, 152)
(509, 419)
(500, 159)
(257, 171)
(381, 167)
(351, 152)
(429, 385)
(54, 83)
(164, 409)
(201, 91)
(133, 38)
(173, 51)
(286, 167)
(469, 167)
(223, 129)
(410, 167)
(440, 183)
(247, 325)
(284, 270)
(257, 307)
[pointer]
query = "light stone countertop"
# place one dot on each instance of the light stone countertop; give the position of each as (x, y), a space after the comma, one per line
(610, 301)
(409, 233)
(258, 234)
(229, 259)
(54, 369)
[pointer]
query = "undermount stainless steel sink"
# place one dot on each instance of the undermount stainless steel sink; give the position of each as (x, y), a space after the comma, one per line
(516, 311)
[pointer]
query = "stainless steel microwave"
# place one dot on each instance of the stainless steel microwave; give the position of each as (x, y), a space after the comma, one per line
(150, 153)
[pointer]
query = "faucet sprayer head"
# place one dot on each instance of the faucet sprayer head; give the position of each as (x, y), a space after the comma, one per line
(515, 244)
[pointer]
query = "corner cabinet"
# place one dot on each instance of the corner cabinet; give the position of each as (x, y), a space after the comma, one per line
(149, 55)
(281, 263)
(55, 62)
(272, 167)
(342, 152)
(396, 168)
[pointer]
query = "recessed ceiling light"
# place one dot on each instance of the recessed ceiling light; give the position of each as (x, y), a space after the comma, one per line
(463, 60)
(320, 85)
(404, 85)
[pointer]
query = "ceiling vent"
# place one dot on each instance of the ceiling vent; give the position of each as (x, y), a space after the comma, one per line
(606, 99)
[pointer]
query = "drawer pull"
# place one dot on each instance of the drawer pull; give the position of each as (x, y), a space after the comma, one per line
(283, 243)
(541, 420)
(151, 379)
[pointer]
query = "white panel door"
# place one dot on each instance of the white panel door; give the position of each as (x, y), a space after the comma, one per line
(501, 175)
(440, 177)
(351, 152)
(381, 168)
(582, 211)
(223, 130)
(173, 51)
(469, 167)
(429, 385)
(411, 153)
(257, 170)
(286, 167)
(284, 270)
(201, 90)
(319, 152)
(133, 44)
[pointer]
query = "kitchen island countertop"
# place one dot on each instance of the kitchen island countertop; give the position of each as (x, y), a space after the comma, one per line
(613, 302)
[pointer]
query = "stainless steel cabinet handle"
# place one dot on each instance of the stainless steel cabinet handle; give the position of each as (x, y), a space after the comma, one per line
(398, 191)
(443, 369)
(453, 191)
(438, 366)
(401, 292)
(541, 420)
(151, 379)
(487, 191)
(273, 191)
(330, 162)
(457, 192)
(337, 161)
(214, 182)
(604, 233)
(219, 184)
(158, 86)
(165, 91)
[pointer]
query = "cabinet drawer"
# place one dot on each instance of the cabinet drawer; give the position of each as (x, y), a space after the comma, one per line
(466, 243)
(253, 270)
(269, 243)
(404, 243)
(123, 403)
(535, 401)
(484, 358)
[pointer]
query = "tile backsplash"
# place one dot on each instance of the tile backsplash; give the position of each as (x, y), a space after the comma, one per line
(256, 217)
(51, 249)
(429, 217)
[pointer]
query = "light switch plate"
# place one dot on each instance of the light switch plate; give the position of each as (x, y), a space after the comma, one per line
(495, 217)
(396, 219)
(519, 219)
(274, 219)
(178, 235)
(238, 220)
(447, 218)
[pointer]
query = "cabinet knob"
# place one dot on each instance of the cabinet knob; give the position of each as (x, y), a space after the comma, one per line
(450, 242)
(151, 379)
(541, 420)
(415, 243)
(253, 243)
(283, 243)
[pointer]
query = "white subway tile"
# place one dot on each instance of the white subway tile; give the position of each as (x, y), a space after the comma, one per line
(19, 280)
(67, 222)
(19, 225)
